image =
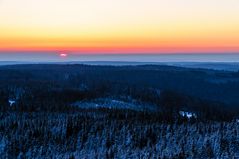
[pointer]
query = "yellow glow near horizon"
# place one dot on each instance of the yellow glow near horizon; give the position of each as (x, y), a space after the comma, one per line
(120, 25)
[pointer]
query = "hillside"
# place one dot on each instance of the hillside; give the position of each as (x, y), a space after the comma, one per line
(145, 111)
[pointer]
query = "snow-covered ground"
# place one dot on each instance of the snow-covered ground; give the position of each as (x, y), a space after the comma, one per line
(11, 102)
(187, 114)
(115, 104)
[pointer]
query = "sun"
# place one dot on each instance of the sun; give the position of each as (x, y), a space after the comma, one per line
(63, 54)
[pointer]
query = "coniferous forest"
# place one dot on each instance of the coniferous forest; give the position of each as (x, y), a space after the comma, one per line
(148, 111)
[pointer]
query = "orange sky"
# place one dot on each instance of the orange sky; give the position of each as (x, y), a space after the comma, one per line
(120, 26)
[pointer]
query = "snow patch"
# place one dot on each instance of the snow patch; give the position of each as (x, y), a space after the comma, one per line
(115, 104)
(11, 102)
(187, 114)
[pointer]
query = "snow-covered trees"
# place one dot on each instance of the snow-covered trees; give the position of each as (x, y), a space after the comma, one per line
(95, 134)
(142, 112)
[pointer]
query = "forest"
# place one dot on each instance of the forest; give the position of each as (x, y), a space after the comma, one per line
(146, 111)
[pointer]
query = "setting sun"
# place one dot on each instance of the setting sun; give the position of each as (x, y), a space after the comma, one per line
(63, 55)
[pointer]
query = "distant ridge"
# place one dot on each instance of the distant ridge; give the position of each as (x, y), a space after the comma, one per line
(227, 66)
(13, 62)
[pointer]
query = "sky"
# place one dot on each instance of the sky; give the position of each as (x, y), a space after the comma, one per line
(119, 26)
